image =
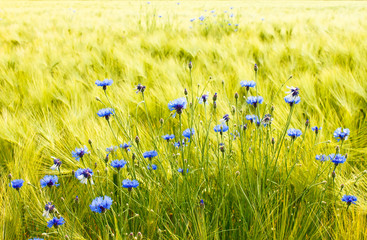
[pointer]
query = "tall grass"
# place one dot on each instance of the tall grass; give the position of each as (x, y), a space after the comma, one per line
(52, 53)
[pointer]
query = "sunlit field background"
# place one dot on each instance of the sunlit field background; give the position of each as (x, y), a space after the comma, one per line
(52, 52)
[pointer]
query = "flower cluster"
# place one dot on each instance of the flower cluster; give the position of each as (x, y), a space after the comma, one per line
(238, 130)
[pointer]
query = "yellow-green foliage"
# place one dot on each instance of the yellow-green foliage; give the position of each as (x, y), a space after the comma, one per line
(51, 53)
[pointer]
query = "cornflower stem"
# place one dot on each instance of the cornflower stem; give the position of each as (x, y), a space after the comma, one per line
(182, 150)
(191, 115)
(121, 127)
(257, 103)
(341, 146)
(280, 144)
(192, 87)
(108, 228)
(82, 160)
(148, 118)
(122, 152)
(120, 193)
(223, 183)
(128, 208)
(75, 211)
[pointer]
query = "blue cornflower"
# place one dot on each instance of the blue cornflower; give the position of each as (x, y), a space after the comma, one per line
(78, 153)
(202, 203)
(267, 119)
(104, 83)
(100, 204)
(55, 222)
(235, 134)
(188, 133)
(178, 144)
(204, 98)
(126, 146)
(254, 101)
(349, 199)
(292, 97)
(111, 149)
(17, 183)
(294, 133)
(292, 100)
(180, 170)
(105, 112)
(322, 157)
(316, 129)
(153, 166)
(224, 119)
(36, 239)
(49, 208)
(337, 159)
(192, 19)
(49, 181)
(201, 18)
(129, 184)
(57, 164)
(222, 147)
(177, 105)
(252, 118)
(84, 174)
(107, 156)
(232, 15)
(140, 88)
(341, 134)
(168, 137)
(248, 84)
(221, 128)
(118, 164)
(150, 154)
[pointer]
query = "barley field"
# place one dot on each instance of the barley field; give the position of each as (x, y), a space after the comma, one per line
(183, 120)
